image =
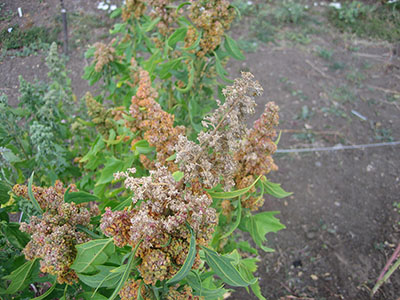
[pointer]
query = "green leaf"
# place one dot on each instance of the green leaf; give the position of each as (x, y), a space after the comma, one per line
(237, 221)
(148, 27)
(168, 66)
(171, 158)
(16, 238)
(79, 197)
(177, 36)
(181, 5)
(196, 43)
(20, 277)
(97, 146)
(112, 166)
(48, 292)
(259, 225)
(190, 80)
(178, 175)
(255, 287)
(90, 296)
(233, 194)
(104, 278)
(90, 52)
(119, 27)
(222, 266)
(187, 265)
(92, 253)
(274, 189)
(126, 273)
(220, 69)
(197, 286)
(232, 48)
(116, 13)
(4, 189)
(32, 197)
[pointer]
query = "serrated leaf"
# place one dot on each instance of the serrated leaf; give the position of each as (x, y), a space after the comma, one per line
(222, 266)
(187, 265)
(20, 277)
(92, 253)
(232, 48)
(233, 194)
(79, 197)
(274, 189)
(260, 224)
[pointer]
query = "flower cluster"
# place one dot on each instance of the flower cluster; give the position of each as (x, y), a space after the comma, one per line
(103, 55)
(164, 10)
(54, 234)
(212, 160)
(156, 125)
(163, 209)
(213, 18)
(133, 9)
(101, 116)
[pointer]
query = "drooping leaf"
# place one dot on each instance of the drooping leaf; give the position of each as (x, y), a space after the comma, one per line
(233, 194)
(274, 189)
(79, 197)
(232, 48)
(20, 278)
(222, 266)
(92, 253)
(188, 263)
(126, 272)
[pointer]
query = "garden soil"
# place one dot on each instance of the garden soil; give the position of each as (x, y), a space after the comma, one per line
(341, 223)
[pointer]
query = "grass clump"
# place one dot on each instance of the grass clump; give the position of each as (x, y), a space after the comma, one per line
(375, 21)
(18, 38)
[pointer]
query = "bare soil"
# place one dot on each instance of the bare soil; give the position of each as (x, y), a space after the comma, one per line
(341, 223)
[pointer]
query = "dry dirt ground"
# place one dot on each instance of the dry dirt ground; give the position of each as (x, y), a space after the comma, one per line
(341, 222)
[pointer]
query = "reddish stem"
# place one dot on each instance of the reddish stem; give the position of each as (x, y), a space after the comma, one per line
(389, 262)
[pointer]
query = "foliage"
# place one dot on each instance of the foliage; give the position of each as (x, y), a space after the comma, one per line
(18, 37)
(379, 21)
(173, 180)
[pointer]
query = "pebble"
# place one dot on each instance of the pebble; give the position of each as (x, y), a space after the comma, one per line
(314, 277)
(318, 164)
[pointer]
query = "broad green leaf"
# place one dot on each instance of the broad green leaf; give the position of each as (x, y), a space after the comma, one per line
(92, 253)
(113, 165)
(232, 48)
(104, 278)
(274, 189)
(187, 265)
(48, 292)
(178, 175)
(79, 197)
(260, 224)
(20, 277)
(222, 266)
(16, 238)
(126, 273)
(90, 52)
(97, 146)
(245, 246)
(32, 197)
(197, 286)
(177, 36)
(233, 194)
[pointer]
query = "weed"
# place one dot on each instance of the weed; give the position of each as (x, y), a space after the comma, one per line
(325, 53)
(343, 94)
(384, 135)
(336, 111)
(337, 65)
(298, 37)
(246, 8)
(305, 136)
(5, 15)
(248, 45)
(355, 77)
(18, 38)
(381, 21)
(289, 12)
(305, 113)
